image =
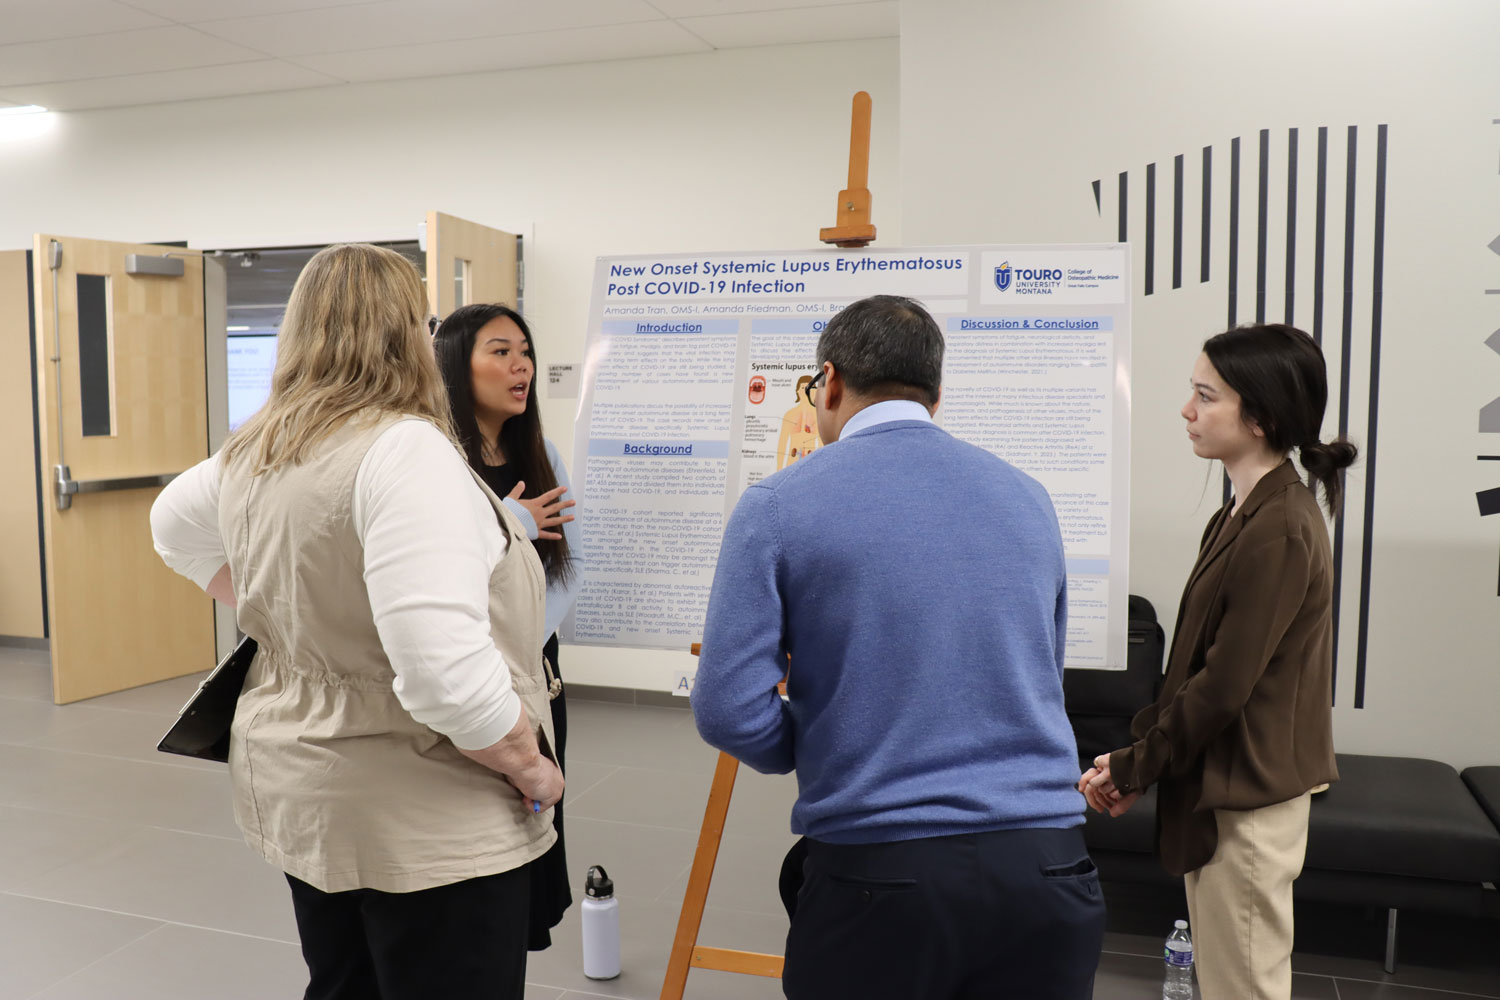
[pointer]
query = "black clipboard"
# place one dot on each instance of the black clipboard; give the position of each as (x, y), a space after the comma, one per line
(202, 727)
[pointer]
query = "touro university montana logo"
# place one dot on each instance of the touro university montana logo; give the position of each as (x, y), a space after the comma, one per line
(1031, 279)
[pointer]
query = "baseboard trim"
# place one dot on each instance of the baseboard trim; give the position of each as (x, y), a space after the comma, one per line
(625, 696)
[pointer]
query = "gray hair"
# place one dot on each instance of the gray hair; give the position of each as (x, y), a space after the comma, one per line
(886, 346)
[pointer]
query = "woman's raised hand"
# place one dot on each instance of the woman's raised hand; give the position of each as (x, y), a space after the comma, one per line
(546, 509)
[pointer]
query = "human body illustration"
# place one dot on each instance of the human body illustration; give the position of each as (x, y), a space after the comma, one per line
(799, 426)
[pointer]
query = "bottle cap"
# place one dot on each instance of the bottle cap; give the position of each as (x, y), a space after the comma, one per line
(1181, 925)
(598, 884)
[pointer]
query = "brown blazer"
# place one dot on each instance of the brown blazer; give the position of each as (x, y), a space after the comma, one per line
(1245, 716)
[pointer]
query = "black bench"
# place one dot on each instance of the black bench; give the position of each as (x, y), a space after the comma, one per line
(1484, 783)
(1393, 832)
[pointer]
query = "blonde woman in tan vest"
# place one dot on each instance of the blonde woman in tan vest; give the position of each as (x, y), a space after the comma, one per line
(390, 749)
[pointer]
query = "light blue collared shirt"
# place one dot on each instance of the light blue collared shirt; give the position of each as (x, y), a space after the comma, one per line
(884, 412)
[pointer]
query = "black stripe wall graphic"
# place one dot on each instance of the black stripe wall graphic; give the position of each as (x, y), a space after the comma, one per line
(1343, 390)
(1321, 235)
(1150, 227)
(1263, 203)
(1124, 205)
(1291, 224)
(1377, 278)
(1177, 221)
(1348, 188)
(1234, 232)
(1208, 186)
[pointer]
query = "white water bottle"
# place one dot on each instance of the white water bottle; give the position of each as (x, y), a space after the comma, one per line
(601, 926)
(1178, 956)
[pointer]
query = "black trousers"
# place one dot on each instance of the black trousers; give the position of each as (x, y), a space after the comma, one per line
(1014, 913)
(463, 941)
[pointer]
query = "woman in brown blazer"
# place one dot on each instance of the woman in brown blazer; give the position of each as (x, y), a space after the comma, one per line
(1242, 732)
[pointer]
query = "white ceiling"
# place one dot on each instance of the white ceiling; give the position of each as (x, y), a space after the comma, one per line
(68, 55)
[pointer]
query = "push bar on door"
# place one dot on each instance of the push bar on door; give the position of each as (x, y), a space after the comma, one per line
(66, 485)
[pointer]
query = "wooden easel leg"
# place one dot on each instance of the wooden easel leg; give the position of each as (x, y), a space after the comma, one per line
(702, 873)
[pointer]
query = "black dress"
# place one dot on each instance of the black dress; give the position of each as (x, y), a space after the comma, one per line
(551, 894)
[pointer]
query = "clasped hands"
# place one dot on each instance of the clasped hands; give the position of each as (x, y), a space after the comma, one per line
(1099, 790)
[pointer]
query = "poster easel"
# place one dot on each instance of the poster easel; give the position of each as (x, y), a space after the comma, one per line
(853, 229)
(686, 952)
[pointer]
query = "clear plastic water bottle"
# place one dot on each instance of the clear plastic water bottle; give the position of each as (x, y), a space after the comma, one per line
(601, 926)
(1178, 956)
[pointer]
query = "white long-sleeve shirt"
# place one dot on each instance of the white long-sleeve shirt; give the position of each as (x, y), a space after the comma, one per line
(561, 594)
(431, 542)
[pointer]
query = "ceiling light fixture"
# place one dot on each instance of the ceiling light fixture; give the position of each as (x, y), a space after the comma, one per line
(25, 121)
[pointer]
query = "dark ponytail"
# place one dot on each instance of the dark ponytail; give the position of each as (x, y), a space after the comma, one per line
(1326, 463)
(1282, 382)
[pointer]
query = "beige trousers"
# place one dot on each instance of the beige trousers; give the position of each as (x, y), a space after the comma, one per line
(1240, 903)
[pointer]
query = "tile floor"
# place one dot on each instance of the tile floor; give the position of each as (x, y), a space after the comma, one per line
(122, 875)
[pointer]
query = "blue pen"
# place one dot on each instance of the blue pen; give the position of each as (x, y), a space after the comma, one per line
(536, 807)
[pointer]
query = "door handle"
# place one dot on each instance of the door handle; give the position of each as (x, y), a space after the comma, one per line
(66, 485)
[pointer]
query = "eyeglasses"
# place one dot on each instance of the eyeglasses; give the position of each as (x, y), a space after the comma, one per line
(815, 384)
(432, 326)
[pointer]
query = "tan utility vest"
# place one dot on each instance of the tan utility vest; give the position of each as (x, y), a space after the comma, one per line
(334, 782)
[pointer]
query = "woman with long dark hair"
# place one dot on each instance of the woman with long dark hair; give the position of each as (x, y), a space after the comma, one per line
(488, 362)
(1242, 733)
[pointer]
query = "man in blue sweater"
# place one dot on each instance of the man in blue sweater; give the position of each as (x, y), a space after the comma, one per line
(917, 584)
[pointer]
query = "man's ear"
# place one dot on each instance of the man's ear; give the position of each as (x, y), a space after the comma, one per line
(832, 392)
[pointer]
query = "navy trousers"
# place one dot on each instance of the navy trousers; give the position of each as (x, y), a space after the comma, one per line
(1013, 913)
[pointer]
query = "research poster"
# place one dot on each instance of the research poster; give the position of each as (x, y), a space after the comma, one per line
(692, 390)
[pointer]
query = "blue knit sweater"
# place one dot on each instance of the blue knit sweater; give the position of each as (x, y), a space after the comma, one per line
(917, 583)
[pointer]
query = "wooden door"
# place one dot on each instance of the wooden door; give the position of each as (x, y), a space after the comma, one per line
(122, 406)
(468, 263)
(21, 613)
